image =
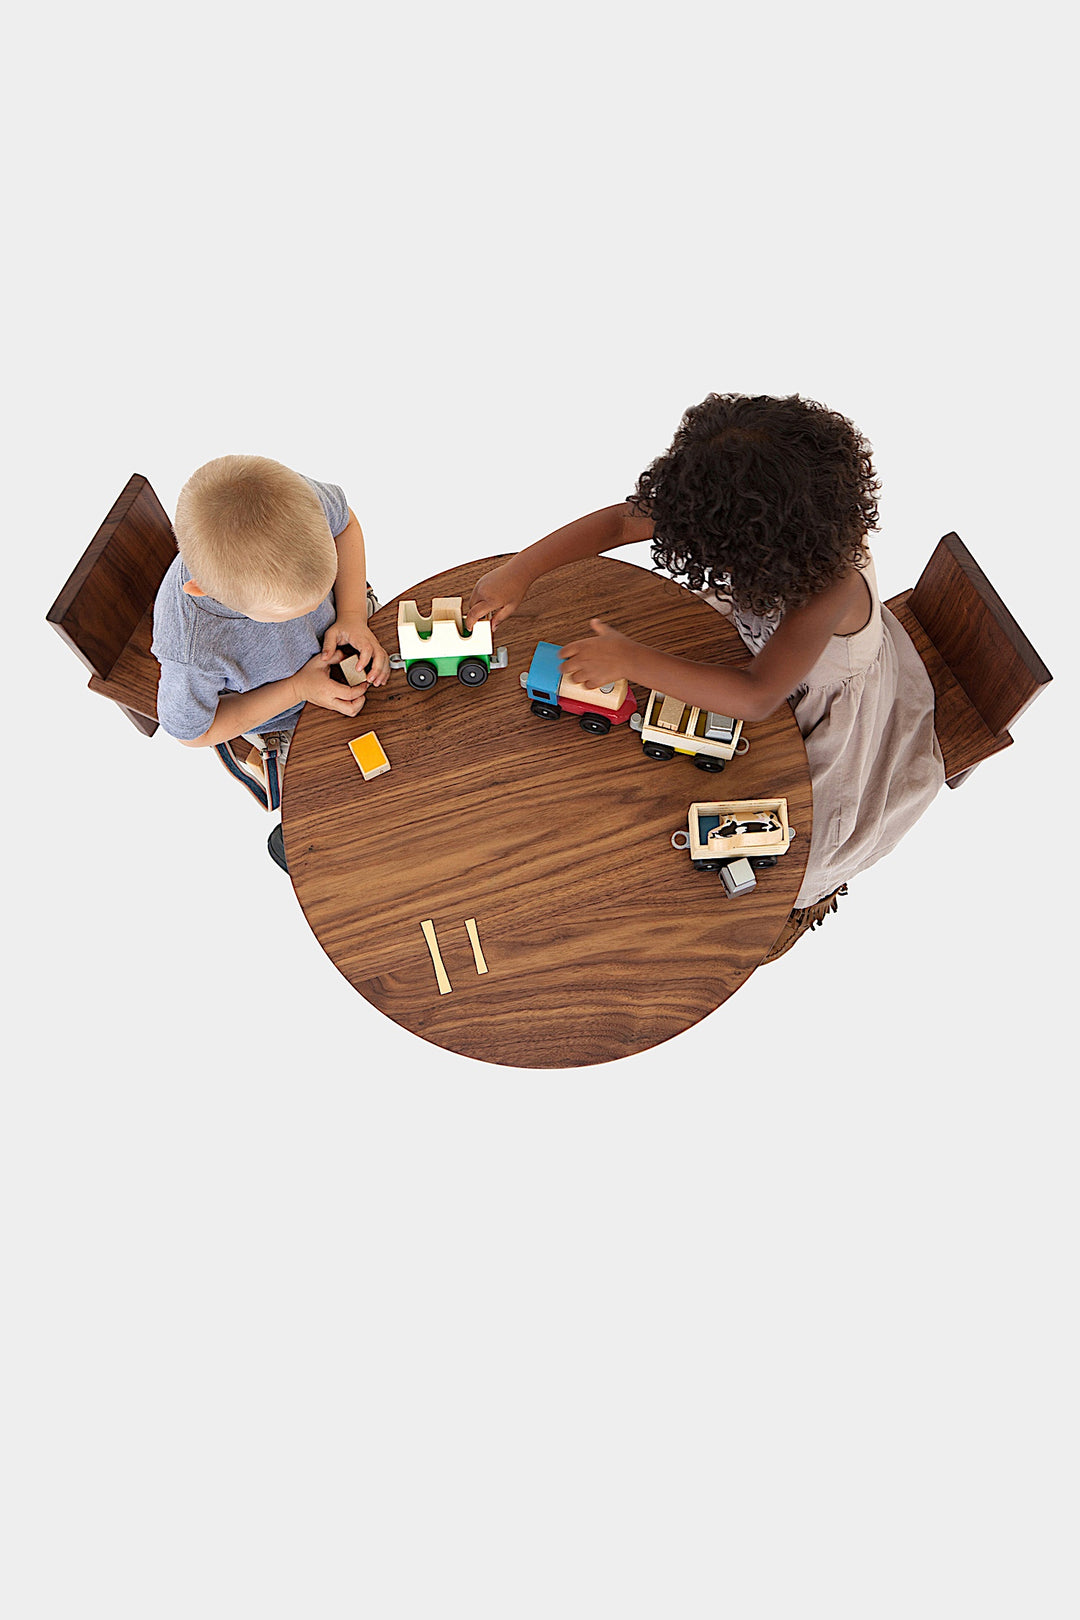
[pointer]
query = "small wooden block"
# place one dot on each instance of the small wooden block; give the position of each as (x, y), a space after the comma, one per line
(671, 712)
(441, 978)
(350, 668)
(720, 727)
(474, 941)
(738, 876)
(368, 754)
(446, 607)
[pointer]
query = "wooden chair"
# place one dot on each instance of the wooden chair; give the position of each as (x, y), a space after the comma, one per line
(984, 669)
(105, 612)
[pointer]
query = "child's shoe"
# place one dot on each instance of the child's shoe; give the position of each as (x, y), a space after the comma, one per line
(276, 845)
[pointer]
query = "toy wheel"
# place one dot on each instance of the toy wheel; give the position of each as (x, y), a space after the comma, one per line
(707, 866)
(598, 724)
(546, 711)
(760, 862)
(421, 676)
(657, 751)
(471, 672)
(708, 762)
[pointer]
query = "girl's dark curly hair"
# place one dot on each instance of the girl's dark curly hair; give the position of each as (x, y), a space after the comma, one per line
(766, 498)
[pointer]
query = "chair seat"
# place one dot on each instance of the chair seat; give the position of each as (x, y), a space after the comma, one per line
(133, 681)
(962, 733)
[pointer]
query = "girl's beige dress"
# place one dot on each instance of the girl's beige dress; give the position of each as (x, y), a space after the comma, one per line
(866, 714)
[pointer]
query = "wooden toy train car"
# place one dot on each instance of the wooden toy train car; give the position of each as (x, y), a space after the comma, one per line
(551, 691)
(440, 645)
(669, 727)
(738, 834)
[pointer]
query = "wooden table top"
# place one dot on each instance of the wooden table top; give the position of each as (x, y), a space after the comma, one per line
(600, 938)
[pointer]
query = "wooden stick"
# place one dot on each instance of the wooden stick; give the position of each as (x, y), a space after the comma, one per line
(433, 946)
(474, 940)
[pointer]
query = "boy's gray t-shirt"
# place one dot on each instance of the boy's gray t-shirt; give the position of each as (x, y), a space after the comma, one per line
(205, 649)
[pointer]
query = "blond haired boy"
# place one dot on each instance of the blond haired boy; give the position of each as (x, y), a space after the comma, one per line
(269, 586)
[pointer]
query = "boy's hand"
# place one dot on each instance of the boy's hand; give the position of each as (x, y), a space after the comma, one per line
(496, 594)
(314, 684)
(346, 633)
(603, 657)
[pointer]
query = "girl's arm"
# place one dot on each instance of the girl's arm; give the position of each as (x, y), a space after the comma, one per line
(751, 693)
(499, 591)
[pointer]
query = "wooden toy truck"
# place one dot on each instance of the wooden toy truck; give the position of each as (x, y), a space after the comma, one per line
(440, 645)
(669, 727)
(551, 691)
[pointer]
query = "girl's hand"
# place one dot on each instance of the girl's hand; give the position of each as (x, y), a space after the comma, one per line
(355, 633)
(603, 657)
(496, 594)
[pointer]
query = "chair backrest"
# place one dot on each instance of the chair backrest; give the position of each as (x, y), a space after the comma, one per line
(984, 669)
(977, 636)
(105, 610)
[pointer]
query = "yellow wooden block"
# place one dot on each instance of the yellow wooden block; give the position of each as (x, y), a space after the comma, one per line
(368, 754)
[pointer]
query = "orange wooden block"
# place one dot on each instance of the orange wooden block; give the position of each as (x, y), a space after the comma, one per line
(368, 754)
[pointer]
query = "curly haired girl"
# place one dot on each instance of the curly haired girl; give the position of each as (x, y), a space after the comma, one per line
(764, 505)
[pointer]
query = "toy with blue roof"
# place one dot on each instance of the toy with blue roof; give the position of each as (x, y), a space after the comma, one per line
(551, 691)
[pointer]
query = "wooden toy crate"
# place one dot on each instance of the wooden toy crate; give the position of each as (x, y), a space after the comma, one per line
(703, 817)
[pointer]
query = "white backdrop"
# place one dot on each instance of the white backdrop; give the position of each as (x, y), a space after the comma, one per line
(305, 1317)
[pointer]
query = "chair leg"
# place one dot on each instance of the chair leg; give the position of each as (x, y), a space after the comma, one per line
(141, 722)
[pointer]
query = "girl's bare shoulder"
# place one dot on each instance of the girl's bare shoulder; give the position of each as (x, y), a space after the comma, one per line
(854, 603)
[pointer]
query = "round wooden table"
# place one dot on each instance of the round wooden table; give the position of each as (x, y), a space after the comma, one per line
(600, 938)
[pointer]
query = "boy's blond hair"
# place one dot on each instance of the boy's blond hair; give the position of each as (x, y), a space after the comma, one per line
(254, 536)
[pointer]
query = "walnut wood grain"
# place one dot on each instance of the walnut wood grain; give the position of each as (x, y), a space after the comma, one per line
(984, 648)
(963, 734)
(983, 668)
(601, 940)
(133, 682)
(115, 579)
(105, 611)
